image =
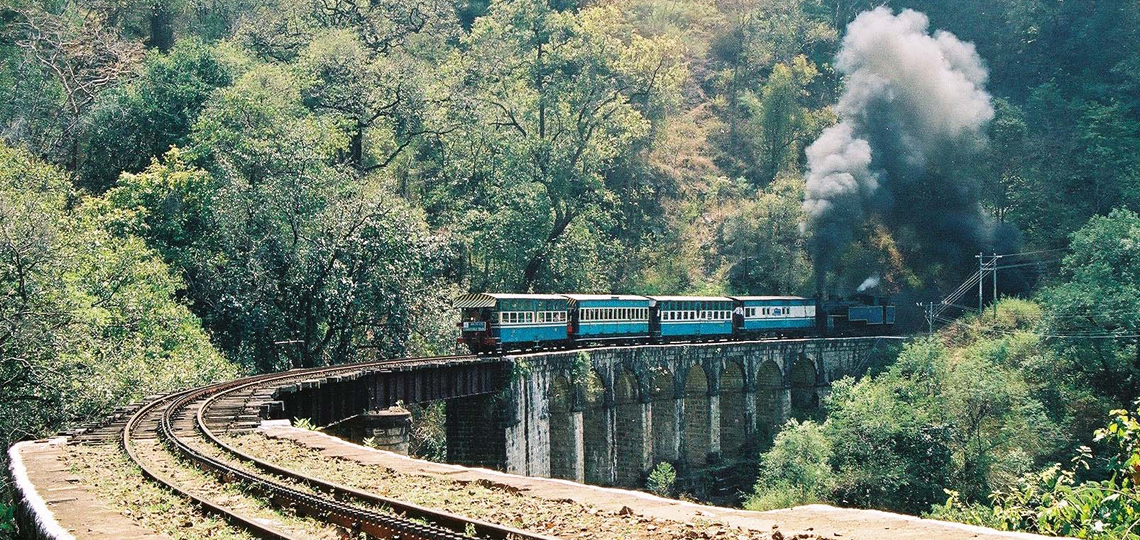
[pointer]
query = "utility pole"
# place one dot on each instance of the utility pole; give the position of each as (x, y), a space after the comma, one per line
(995, 269)
(981, 280)
(928, 312)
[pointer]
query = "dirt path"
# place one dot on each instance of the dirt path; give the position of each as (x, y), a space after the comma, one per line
(705, 521)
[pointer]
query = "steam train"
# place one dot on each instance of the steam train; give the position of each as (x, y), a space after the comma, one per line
(496, 323)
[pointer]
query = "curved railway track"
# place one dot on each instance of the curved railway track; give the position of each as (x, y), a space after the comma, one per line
(182, 421)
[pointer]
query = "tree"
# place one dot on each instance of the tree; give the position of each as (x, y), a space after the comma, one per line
(552, 100)
(378, 97)
(1095, 311)
(133, 123)
(73, 56)
(779, 123)
(290, 258)
(758, 37)
(761, 240)
(88, 319)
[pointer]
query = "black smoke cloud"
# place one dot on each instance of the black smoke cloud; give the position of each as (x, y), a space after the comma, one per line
(913, 118)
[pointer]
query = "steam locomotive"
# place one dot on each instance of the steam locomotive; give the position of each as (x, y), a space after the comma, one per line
(496, 323)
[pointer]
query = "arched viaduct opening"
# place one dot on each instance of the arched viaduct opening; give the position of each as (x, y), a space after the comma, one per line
(802, 380)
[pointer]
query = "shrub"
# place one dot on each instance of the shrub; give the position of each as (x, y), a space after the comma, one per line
(796, 470)
(1054, 502)
(662, 479)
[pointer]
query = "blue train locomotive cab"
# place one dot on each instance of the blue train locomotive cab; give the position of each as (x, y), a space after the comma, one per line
(859, 315)
(605, 317)
(774, 315)
(690, 317)
(493, 322)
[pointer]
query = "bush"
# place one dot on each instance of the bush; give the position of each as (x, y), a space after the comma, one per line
(1054, 502)
(796, 470)
(89, 320)
(662, 479)
(7, 520)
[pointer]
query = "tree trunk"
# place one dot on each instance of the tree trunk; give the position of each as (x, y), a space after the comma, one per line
(536, 261)
(356, 149)
(161, 26)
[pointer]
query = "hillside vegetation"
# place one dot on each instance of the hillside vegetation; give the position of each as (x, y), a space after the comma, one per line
(192, 189)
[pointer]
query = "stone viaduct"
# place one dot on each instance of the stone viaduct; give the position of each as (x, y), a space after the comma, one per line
(608, 415)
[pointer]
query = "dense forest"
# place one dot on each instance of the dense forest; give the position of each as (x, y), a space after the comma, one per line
(192, 189)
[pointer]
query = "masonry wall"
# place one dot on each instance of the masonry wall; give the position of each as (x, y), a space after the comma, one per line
(610, 421)
(475, 434)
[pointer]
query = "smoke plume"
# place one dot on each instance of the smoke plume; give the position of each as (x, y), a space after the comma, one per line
(913, 118)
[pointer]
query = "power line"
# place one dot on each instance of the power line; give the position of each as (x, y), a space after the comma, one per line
(1024, 253)
(1024, 264)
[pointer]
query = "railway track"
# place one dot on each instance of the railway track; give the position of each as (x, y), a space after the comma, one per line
(190, 425)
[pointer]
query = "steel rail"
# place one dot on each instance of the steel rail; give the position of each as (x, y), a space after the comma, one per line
(452, 521)
(257, 529)
(353, 518)
(356, 519)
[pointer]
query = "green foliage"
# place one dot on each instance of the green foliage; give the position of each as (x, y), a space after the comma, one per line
(88, 319)
(1055, 502)
(1098, 299)
(762, 243)
(7, 520)
(132, 123)
(890, 449)
(305, 423)
(429, 431)
(561, 97)
(796, 470)
(662, 479)
(954, 412)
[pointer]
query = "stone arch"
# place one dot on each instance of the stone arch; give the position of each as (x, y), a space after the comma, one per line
(563, 433)
(769, 401)
(696, 413)
(596, 430)
(801, 381)
(733, 421)
(663, 414)
(629, 430)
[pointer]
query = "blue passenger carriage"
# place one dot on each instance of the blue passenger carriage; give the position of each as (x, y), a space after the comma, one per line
(491, 322)
(606, 317)
(774, 315)
(691, 317)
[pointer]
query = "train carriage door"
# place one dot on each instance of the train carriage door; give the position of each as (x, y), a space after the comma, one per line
(654, 319)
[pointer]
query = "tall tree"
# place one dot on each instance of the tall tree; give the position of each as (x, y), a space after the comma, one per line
(553, 99)
(1095, 312)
